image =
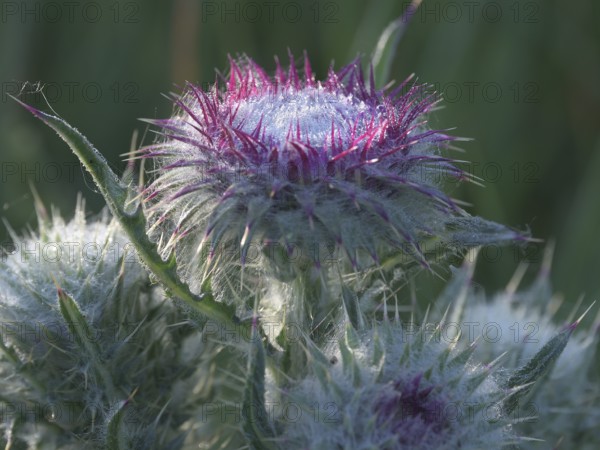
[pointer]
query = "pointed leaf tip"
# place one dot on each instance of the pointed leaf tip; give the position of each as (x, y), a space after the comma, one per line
(31, 109)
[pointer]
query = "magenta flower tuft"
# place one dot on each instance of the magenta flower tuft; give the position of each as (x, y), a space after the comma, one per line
(293, 169)
(412, 411)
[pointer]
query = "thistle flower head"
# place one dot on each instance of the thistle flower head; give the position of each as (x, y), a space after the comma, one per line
(292, 165)
(394, 388)
(565, 411)
(90, 352)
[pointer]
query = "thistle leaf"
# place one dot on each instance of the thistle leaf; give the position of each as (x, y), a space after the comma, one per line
(114, 436)
(535, 368)
(84, 337)
(133, 221)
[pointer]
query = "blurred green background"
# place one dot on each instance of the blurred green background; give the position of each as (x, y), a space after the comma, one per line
(522, 78)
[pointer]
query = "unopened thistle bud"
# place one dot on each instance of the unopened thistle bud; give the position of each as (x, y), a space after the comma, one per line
(90, 353)
(396, 388)
(565, 410)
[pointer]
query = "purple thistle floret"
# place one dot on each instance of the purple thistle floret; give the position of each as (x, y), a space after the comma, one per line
(412, 412)
(302, 165)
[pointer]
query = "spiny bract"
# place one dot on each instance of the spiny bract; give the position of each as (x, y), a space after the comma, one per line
(289, 170)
